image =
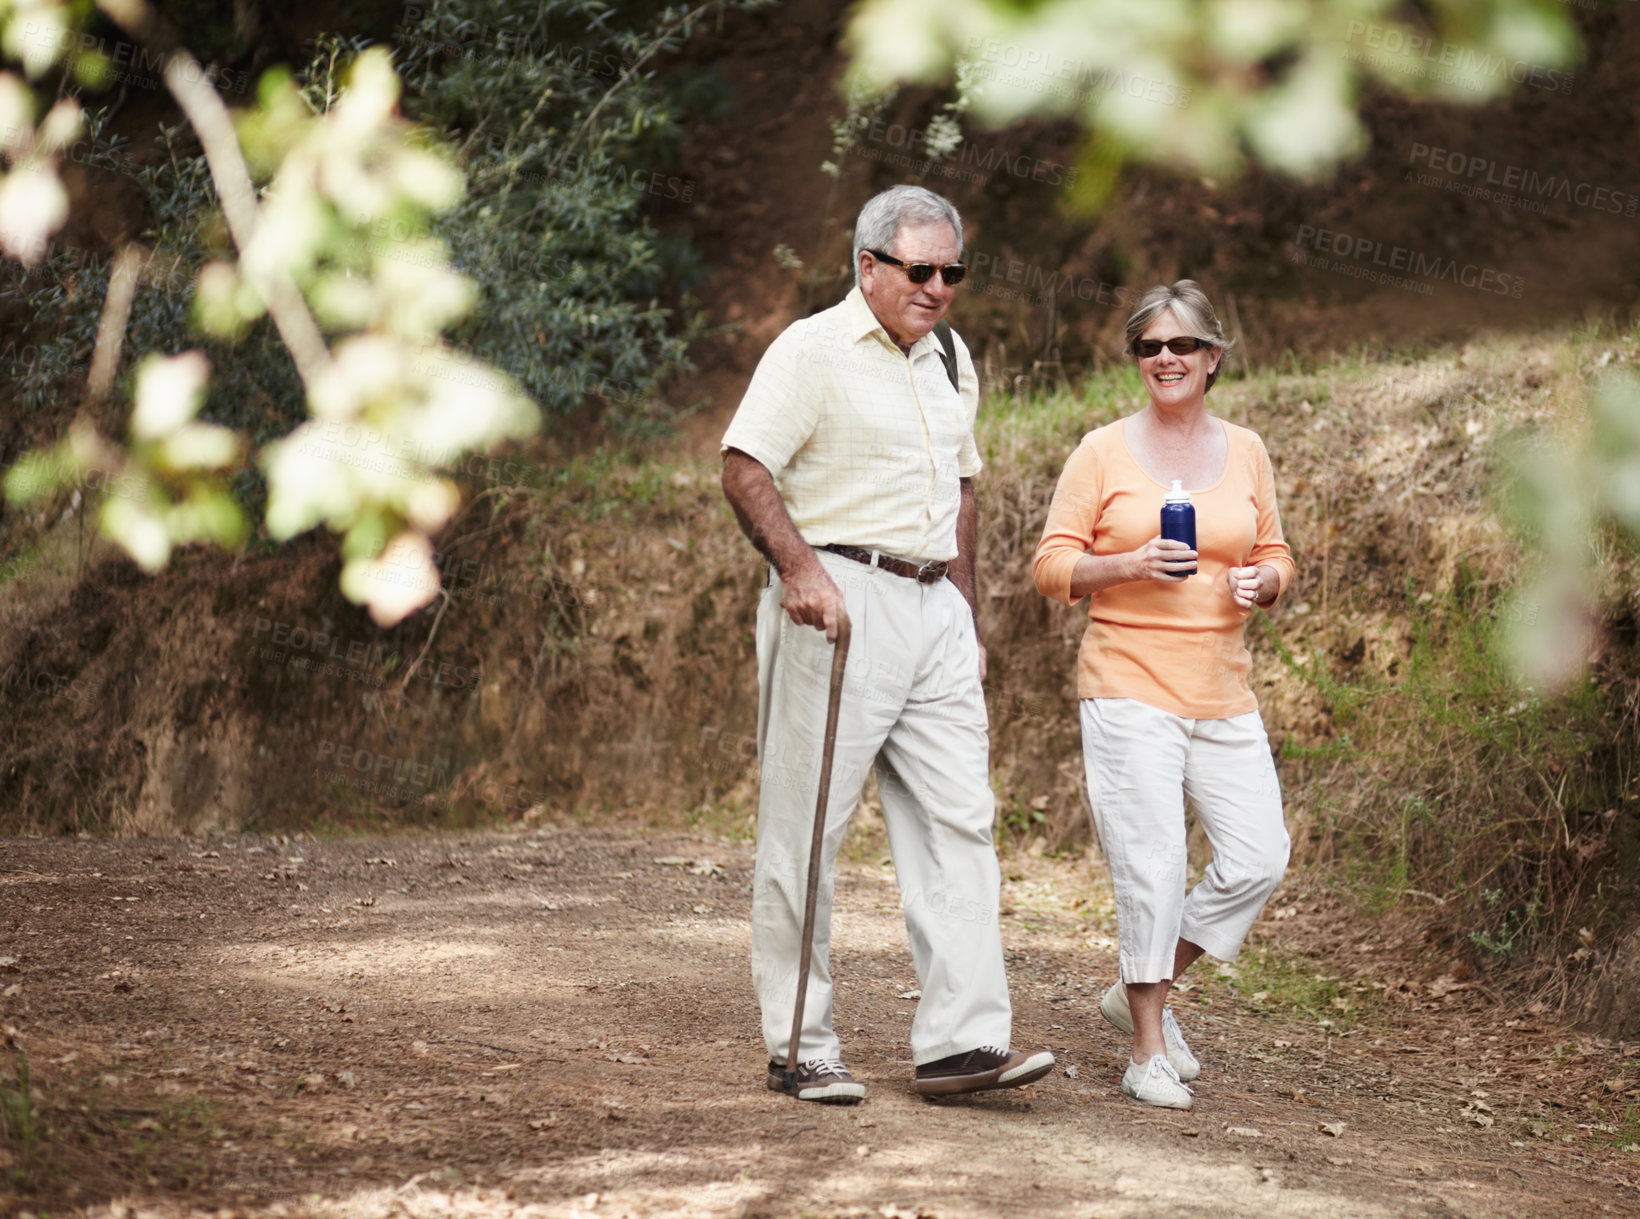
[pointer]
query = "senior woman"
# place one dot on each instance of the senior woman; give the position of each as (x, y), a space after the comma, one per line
(1167, 714)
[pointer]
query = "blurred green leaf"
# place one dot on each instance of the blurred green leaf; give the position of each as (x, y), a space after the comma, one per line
(40, 473)
(1197, 86)
(169, 391)
(139, 531)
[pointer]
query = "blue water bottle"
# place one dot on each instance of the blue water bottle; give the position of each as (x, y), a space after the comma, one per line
(1179, 520)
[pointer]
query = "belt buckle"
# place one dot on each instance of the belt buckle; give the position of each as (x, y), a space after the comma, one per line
(926, 573)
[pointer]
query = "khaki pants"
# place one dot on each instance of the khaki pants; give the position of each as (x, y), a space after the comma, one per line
(912, 703)
(1142, 764)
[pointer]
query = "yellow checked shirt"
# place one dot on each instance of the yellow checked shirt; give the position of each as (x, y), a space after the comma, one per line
(866, 445)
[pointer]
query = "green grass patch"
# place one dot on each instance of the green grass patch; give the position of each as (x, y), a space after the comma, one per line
(19, 1122)
(1272, 980)
(1448, 780)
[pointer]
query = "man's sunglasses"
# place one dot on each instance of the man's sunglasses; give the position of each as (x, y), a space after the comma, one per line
(922, 272)
(1183, 346)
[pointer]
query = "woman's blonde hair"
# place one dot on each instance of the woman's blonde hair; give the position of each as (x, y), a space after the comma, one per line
(1190, 308)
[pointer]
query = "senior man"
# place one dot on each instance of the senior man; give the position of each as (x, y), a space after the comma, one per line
(848, 465)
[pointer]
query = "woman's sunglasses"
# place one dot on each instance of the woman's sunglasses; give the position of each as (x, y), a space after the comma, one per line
(1146, 348)
(922, 272)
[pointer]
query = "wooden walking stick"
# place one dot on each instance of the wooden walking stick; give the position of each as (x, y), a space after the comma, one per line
(833, 704)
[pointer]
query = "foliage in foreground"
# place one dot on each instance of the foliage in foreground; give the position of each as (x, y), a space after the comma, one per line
(1211, 85)
(341, 273)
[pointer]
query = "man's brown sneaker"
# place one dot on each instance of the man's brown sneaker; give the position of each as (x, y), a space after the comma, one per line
(981, 1069)
(822, 1079)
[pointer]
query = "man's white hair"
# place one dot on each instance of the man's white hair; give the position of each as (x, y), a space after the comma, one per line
(898, 207)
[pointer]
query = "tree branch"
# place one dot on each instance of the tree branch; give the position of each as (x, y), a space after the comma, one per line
(122, 288)
(190, 85)
(210, 120)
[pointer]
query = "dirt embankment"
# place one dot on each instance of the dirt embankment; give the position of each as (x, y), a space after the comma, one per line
(594, 648)
(560, 1023)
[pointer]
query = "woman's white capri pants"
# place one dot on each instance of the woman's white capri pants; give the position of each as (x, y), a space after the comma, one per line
(1142, 764)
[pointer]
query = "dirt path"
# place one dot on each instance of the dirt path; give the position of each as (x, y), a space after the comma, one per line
(560, 1022)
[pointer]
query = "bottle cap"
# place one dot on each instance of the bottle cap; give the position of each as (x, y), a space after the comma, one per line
(1178, 495)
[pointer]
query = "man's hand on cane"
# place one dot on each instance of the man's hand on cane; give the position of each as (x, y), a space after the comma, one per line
(812, 598)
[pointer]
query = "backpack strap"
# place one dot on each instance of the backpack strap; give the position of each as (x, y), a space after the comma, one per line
(948, 351)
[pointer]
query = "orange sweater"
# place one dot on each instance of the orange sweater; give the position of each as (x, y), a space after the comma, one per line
(1174, 645)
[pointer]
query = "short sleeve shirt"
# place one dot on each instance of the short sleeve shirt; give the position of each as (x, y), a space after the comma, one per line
(1179, 646)
(867, 444)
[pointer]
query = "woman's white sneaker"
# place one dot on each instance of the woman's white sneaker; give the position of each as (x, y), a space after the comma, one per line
(1178, 1053)
(1114, 1007)
(1156, 1083)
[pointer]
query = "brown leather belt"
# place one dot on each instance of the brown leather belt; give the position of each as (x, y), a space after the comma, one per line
(922, 573)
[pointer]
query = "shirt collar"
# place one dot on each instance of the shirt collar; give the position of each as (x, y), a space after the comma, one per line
(859, 322)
